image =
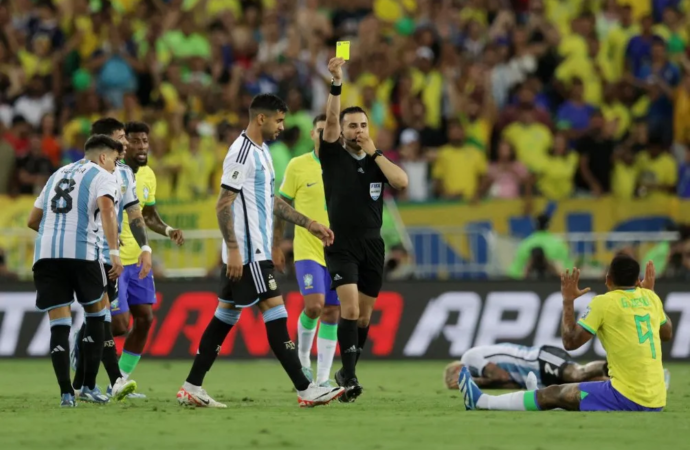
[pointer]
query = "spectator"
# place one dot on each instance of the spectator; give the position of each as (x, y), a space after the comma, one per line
(300, 118)
(556, 175)
(507, 178)
(50, 142)
(18, 136)
(525, 100)
(625, 174)
(614, 111)
(413, 161)
(665, 252)
(282, 151)
(184, 42)
(35, 103)
(658, 69)
(596, 156)
(658, 170)
(616, 41)
(553, 247)
(587, 68)
(7, 158)
(530, 138)
(672, 30)
(639, 49)
(5, 273)
(459, 168)
(34, 169)
(539, 267)
(684, 176)
(427, 83)
(573, 115)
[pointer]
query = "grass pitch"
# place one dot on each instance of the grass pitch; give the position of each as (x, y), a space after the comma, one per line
(403, 407)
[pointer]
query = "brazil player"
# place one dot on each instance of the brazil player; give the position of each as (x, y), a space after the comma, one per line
(508, 366)
(75, 203)
(137, 291)
(302, 185)
(631, 323)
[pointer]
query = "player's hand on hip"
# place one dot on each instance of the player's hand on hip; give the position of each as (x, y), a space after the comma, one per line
(366, 143)
(322, 232)
(116, 267)
(278, 259)
(177, 237)
(570, 285)
(649, 276)
(234, 270)
(145, 263)
(335, 67)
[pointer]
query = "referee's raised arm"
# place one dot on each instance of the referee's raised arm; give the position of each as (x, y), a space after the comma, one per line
(331, 133)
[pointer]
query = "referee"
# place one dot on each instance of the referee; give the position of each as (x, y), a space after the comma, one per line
(354, 172)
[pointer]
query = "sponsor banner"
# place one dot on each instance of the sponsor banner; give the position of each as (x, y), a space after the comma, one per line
(412, 320)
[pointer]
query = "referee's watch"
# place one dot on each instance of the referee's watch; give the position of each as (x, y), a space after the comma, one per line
(376, 154)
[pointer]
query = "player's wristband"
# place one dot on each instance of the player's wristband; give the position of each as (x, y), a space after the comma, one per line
(146, 248)
(114, 252)
(336, 89)
(169, 230)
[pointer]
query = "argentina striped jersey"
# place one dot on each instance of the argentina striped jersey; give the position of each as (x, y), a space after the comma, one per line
(128, 197)
(248, 170)
(517, 360)
(70, 224)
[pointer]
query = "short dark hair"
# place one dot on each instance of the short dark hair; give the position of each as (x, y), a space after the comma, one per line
(352, 110)
(624, 270)
(106, 126)
(319, 118)
(102, 142)
(137, 127)
(263, 103)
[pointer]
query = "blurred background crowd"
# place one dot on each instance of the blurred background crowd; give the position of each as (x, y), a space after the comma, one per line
(476, 99)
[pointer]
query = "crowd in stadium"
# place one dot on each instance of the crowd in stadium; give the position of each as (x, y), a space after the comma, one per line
(473, 98)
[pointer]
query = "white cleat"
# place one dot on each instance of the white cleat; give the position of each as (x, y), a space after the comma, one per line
(318, 395)
(531, 382)
(190, 395)
(123, 388)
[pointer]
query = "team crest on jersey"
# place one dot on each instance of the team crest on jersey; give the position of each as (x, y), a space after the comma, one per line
(115, 305)
(146, 193)
(375, 190)
(123, 188)
(308, 280)
(272, 285)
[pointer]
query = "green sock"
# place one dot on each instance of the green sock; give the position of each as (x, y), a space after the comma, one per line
(307, 322)
(530, 401)
(128, 361)
(328, 331)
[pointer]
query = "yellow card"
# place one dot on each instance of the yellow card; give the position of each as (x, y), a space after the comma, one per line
(342, 50)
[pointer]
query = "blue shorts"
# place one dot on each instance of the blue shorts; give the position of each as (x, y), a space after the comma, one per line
(133, 291)
(313, 278)
(601, 396)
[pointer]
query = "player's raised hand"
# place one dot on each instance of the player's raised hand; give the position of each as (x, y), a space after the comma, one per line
(570, 285)
(322, 232)
(234, 270)
(145, 264)
(335, 67)
(278, 259)
(177, 237)
(116, 267)
(649, 276)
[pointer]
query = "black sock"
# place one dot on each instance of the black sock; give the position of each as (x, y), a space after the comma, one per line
(362, 334)
(285, 351)
(59, 354)
(347, 339)
(93, 349)
(109, 359)
(211, 341)
(79, 373)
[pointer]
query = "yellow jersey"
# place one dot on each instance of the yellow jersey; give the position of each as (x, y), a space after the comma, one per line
(146, 193)
(303, 185)
(627, 323)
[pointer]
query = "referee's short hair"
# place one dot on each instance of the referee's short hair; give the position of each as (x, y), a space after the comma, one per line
(267, 104)
(101, 142)
(352, 110)
(319, 118)
(137, 127)
(107, 126)
(624, 270)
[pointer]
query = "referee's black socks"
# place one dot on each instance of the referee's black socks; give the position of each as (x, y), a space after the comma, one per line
(362, 334)
(211, 342)
(348, 341)
(94, 335)
(283, 347)
(59, 352)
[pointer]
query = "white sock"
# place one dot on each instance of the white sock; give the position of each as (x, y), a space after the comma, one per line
(505, 402)
(305, 339)
(326, 349)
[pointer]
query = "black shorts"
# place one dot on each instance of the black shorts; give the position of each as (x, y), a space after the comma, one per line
(257, 283)
(112, 287)
(357, 261)
(552, 363)
(58, 281)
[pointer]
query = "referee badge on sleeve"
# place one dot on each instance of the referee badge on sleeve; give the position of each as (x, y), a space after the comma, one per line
(375, 190)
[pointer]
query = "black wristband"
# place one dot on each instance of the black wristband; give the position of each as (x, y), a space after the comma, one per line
(336, 90)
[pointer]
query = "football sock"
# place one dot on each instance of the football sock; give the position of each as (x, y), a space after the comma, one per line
(517, 401)
(326, 342)
(79, 372)
(211, 341)
(306, 329)
(275, 320)
(362, 334)
(128, 362)
(94, 335)
(59, 352)
(347, 338)
(110, 352)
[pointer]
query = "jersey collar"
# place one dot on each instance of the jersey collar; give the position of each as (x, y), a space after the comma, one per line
(316, 157)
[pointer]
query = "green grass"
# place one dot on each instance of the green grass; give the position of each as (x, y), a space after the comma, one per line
(403, 407)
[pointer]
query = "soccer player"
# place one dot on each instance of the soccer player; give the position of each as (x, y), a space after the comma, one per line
(245, 210)
(120, 386)
(354, 172)
(631, 324)
(303, 186)
(76, 201)
(508, 366)
(137, 290)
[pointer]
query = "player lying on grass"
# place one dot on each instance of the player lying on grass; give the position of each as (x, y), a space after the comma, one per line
(631, 324)
(508, 366)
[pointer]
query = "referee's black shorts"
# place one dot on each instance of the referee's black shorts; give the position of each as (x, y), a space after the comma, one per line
(357, 260)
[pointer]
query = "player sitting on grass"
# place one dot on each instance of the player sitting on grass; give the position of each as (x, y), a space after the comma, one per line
(631, 324)
(508, 366)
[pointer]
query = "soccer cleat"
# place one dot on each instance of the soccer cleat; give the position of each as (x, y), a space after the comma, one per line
(352, 388)
(317, 395)
(93, 396)
(122, 389)
(68, 401)
(308, 373)
(667, 378)
(469, 390)
(130, 396)
(327, 383)
(190, 395)
(531, 383)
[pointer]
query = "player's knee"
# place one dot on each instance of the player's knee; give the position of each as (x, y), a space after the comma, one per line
(144, 321)
(330, 314)
(363, 322)
(314, 311)
(350, 312)
(119, 325)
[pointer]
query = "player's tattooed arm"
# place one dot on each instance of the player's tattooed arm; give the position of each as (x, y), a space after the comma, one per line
(278, 231)
(224, 214)
(137, 225)
(495, 377)
(153, 220)
(286, 212)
